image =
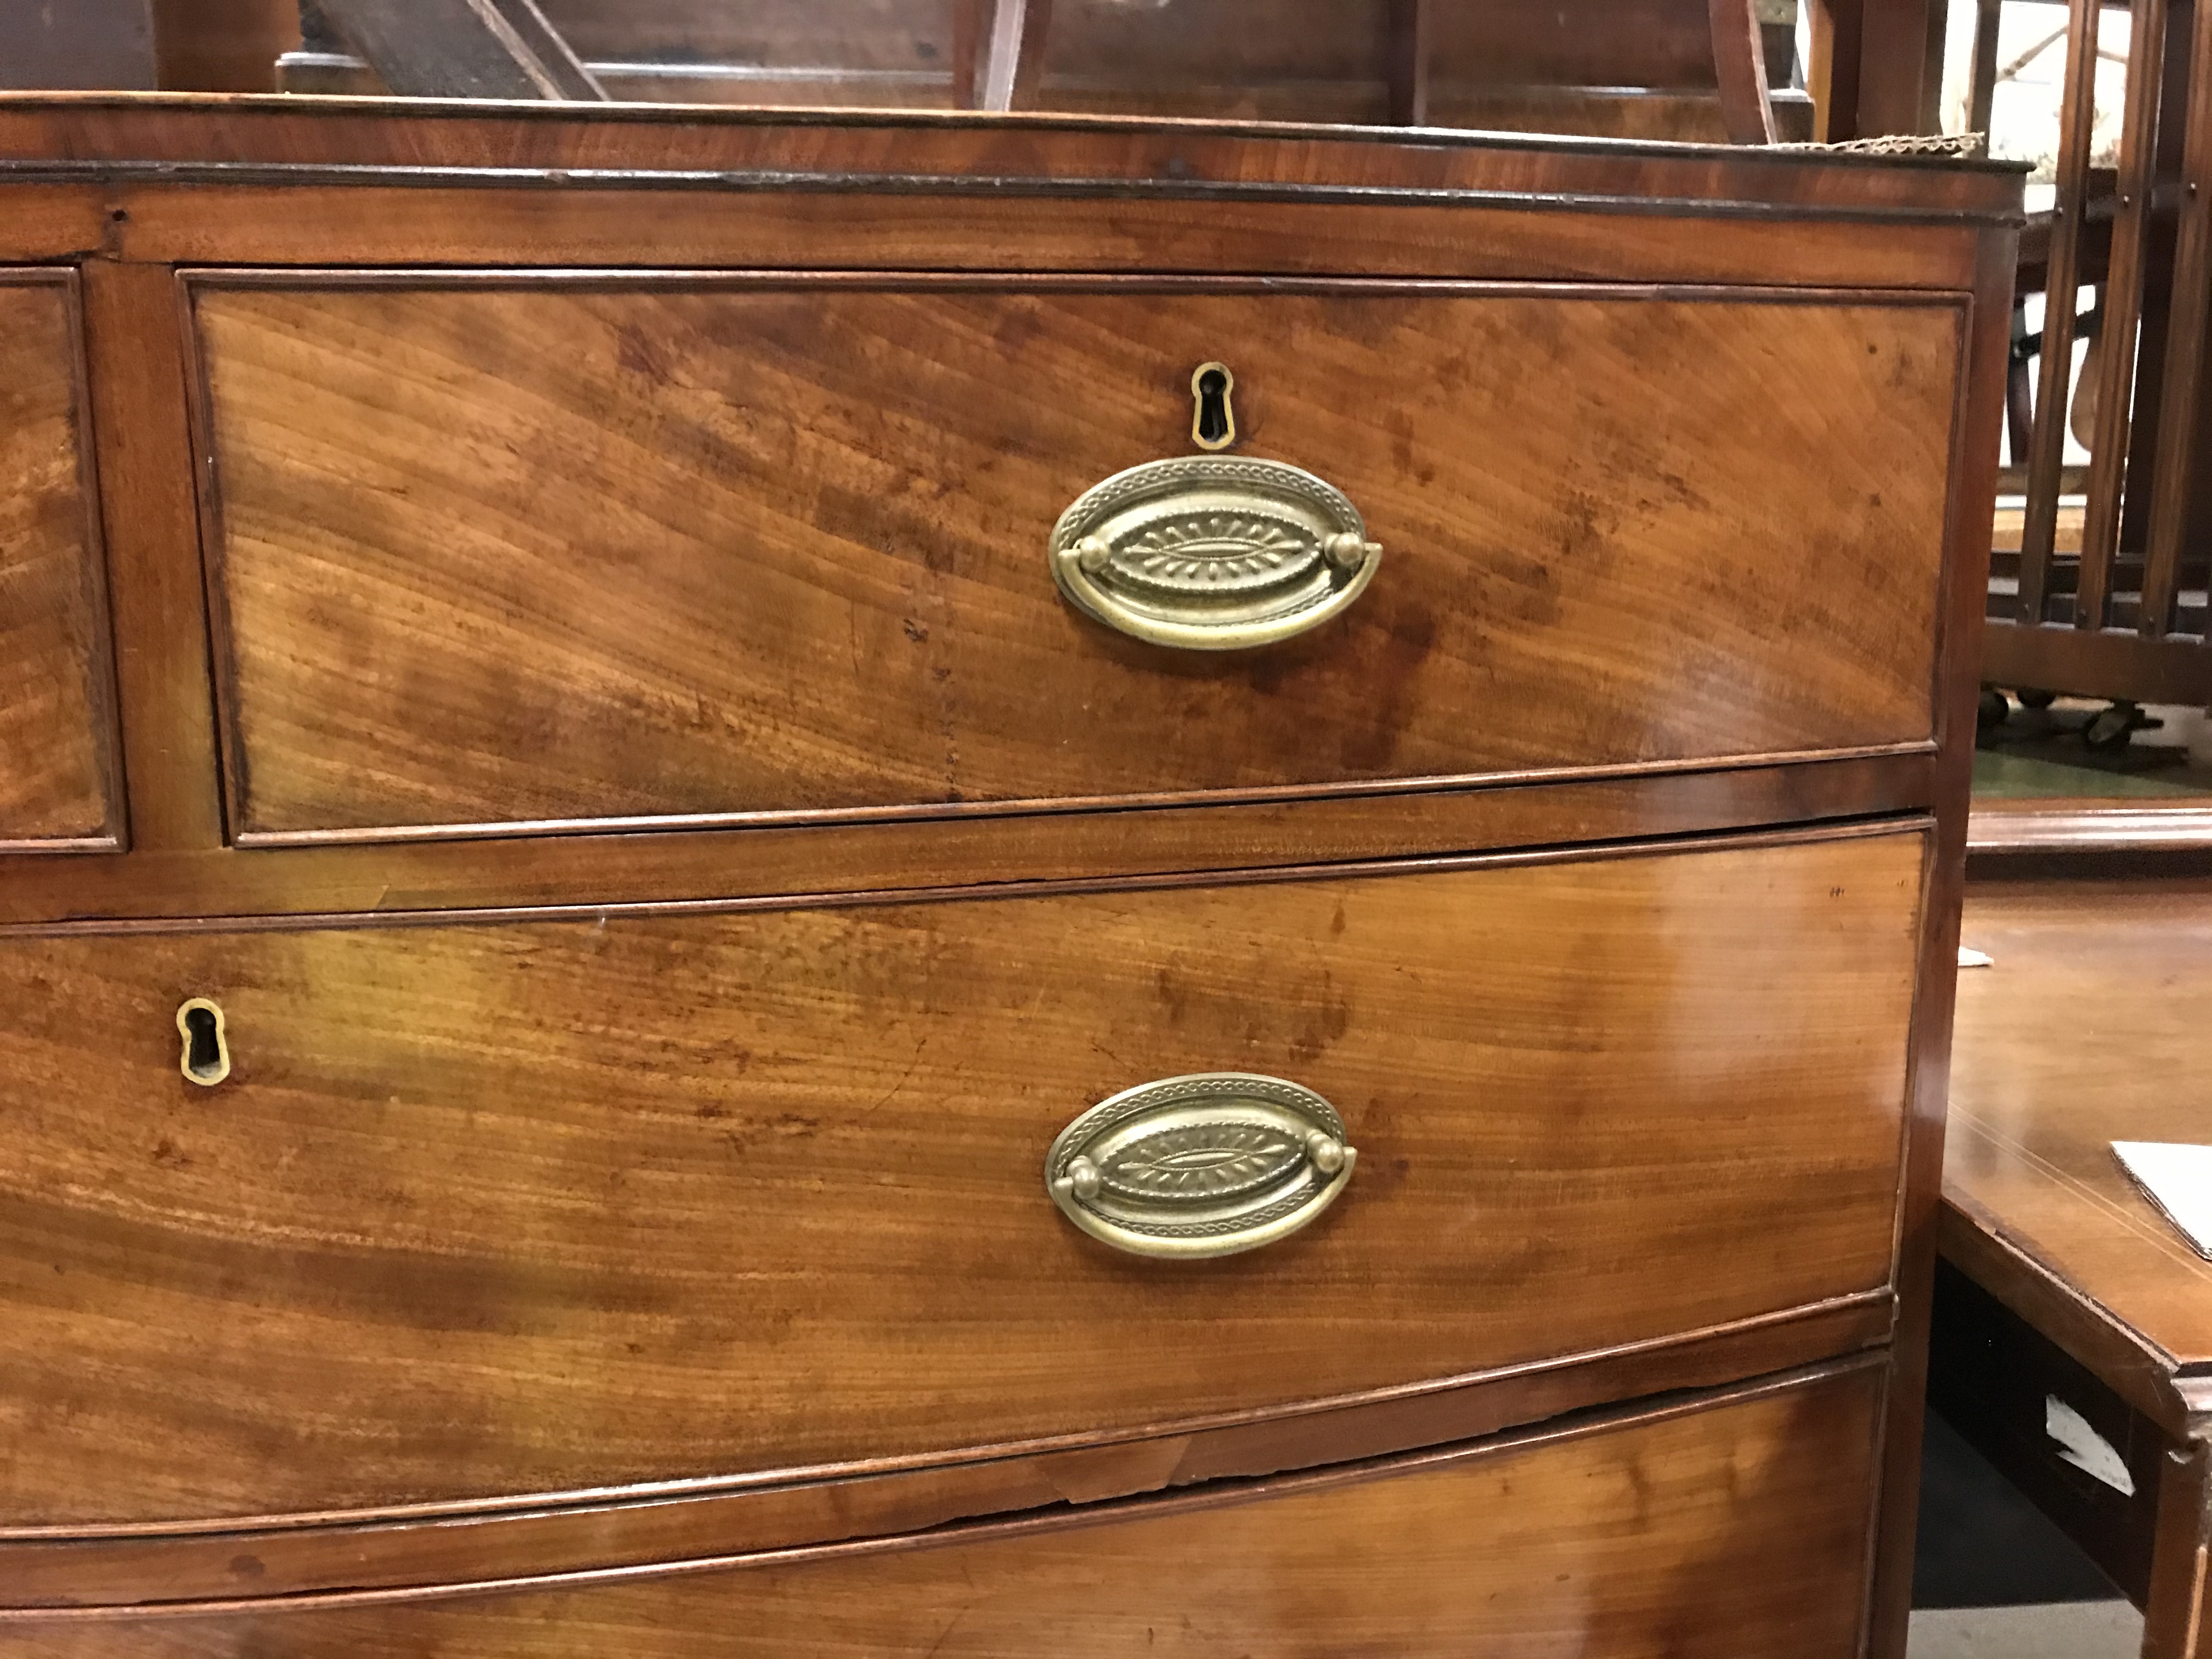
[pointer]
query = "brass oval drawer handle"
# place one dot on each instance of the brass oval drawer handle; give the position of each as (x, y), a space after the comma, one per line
(1203, 1165)
(1212, 553)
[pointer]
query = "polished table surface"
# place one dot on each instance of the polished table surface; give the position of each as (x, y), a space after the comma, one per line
(2090, 1028)
(2066, 1305)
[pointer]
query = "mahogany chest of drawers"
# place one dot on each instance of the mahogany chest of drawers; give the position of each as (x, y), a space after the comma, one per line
(982, 886)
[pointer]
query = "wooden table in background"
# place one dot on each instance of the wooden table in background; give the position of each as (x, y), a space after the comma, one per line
(2060, 1280)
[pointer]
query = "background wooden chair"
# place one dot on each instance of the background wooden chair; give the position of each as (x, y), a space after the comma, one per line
(2120, 614)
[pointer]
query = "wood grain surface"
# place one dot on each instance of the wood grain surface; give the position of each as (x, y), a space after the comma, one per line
(704, 868)
(1632, 184)
(2064, 1281)
(774, 547)
(279, 215)
(495, 1210)
(403, 1548)
(135, 352)
(1973, 481)
(57, 781)
(1739, 1528)
(2085, 1032)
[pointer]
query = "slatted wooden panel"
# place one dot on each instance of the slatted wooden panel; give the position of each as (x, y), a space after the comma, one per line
(2100, 614)
(2047, 441)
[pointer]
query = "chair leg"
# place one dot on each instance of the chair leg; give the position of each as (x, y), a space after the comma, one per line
(1739, 59)
(998, 53)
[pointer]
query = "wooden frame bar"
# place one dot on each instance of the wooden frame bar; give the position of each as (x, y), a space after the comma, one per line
(1413, 43)
(2047, 441)
(1740, 63)
(1981, 96)
(2174, 1614)
(2185, 345)
(134, 336)
(2124, 293)
(998, 51)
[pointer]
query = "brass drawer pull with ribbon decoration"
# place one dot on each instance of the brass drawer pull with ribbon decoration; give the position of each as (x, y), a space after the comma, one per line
(1213, 552)
(1203, 1165)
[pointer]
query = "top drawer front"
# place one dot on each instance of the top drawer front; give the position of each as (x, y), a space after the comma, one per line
(58, 770)
(528, 549)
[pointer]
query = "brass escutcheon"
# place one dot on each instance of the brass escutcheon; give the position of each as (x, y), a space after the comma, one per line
(206, 1057)
(1213, 406)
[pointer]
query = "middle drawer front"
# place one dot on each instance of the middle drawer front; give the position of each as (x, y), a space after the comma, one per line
(486, 1209)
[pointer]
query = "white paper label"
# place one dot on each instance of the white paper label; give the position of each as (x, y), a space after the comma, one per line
(2177, 1179)
(2083, 1447)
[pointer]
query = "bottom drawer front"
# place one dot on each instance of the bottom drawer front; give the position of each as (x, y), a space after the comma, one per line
(1737, 1528)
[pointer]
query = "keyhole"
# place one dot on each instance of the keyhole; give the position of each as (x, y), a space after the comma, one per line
(1213, 421)
(206, 1058)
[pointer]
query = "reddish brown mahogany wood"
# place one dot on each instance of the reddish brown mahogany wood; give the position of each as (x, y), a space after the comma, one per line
(491, 1210)
(1974, 461)
(380, 1289)
(2188, 337)
(52, 223)
(148, 505)
(2177, 1620)
(580, 227)
(2076, 1285)
(445, 1544)
(1737, 1522)
(59, 789)
(554, 870)
(2047, 440)
(105, 136)
(2122, 293)
(1739, 59)
(2088, 827)
(2032, 1177)
(1408, 49)
(764, 547)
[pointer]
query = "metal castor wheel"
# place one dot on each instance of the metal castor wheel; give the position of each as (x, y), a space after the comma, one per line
(2033, 697)
(2111, 727)
(1993, 711)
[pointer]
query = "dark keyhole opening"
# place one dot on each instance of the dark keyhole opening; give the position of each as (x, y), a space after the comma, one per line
(1213, 407)
(203, 1052)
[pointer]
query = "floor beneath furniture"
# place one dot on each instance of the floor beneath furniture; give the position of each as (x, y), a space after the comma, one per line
(1993, 1579)
(2068, 1630)
(2040, 752)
